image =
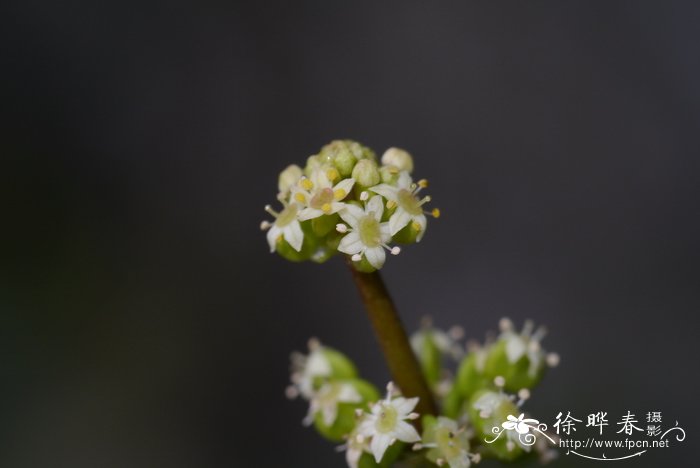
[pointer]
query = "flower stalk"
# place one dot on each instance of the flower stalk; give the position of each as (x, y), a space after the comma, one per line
(402, 362)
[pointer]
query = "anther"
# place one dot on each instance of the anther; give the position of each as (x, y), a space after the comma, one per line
(364, 196)
(395, 250)
(265, 225)
(356, 258)
(341, 228)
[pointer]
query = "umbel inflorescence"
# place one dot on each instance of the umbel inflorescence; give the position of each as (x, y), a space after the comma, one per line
(492, 381)
(345, 201)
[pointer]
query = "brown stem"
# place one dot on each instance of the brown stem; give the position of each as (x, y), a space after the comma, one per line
(392, 338)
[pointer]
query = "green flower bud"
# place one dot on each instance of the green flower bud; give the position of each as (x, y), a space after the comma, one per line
(366, 173)
(518, 357)
(398, 158)
(334, 406)
(289, 177)
(470, 376)
(389, 174)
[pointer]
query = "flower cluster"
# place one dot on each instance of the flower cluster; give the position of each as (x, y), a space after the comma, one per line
(492, 382)
(343, 200)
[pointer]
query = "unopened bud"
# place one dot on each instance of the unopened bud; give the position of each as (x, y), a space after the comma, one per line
(366, 173)
(289, 177)
(398, 158)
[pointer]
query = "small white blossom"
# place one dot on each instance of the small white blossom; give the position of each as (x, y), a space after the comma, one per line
(308, 368)
(447, 444)
(367, 235)
(327, 398)
(318, 195)
(525, 343)
(286, 225)
(409, 208)
(387, 423)
(356, 445)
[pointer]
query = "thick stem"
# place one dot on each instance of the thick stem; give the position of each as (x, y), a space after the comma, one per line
(393, 340)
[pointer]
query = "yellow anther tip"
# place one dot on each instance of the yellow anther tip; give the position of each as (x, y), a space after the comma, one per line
(326, 207)
(332, 174)
(339, 194)
(423, 183)
(307, 184)
(300, 197)
(390, 204)
(415, 226)
(436, 212)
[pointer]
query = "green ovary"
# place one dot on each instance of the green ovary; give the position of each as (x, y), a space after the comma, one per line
(287, 215)
(369, 231)
(322, 198)
(447, 442)
(387, 419)
(409, 202)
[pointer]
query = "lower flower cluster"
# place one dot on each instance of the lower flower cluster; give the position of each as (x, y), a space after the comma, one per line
(491, 382)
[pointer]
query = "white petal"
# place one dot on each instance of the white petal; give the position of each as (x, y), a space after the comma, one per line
(348, 394)
(309, 213)
(351, 214)
(460, 461)
(375, 256)
(294, 235)
(404, 405)
(351, 244)
(404, 181)
(375, 205)
(380, 442)
(405, 432)
(345, 185)
(385, 231)
(515, 348)
(352, 456)
(386, 191)
(423, 223)
(272, 234)
(398, 220)
(367, 426)
(329, 414)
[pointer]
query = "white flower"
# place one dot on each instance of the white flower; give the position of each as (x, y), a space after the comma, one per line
(317, 194)
(286, 225)
(367, 235)
(409, 208)
(387, 423)
(355, 446)
(327, 398)
(306, 369)
(448, 444)
(526, 343)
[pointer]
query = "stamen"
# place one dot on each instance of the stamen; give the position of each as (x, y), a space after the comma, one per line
(416, 226)
(456, 332)
(364, 196)
(552, 359)
(306, 184)
(269, 209)
(390, 388)
(505, 324)
(413, 416)
(499, 381)
(332, 174)
(341, 228)
(424, 200)
(476, 457)
(523, 395)
(356, 258)
(314, 343)
(339, 194)
(390, 204)
(300, 197)
(326, 208)
(395, 250)
(291, 392)
(264, 225)
(440, 461)
(435, 213)
(423, 183)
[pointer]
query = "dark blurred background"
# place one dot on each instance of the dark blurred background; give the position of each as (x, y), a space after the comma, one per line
(144, 322)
